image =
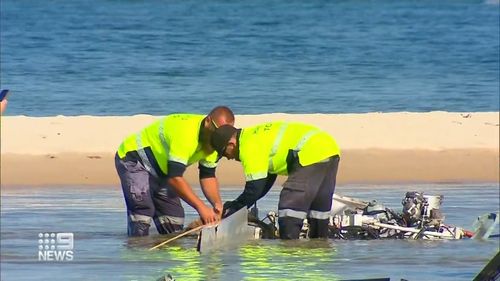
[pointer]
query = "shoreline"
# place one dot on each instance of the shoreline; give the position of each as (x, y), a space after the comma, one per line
(377, 148)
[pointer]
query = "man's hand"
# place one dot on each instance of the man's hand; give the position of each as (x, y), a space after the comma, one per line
(218, 210)
(210, 188)
(208, 215)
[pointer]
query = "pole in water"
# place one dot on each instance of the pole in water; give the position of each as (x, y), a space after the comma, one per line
(177, 237)
(491, 271)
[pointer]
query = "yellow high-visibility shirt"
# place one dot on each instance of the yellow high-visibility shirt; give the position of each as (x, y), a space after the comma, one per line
(175, 138)
(264, 148)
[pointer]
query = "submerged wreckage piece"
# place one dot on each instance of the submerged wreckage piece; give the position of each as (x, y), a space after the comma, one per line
(351, 219)
(484, 225)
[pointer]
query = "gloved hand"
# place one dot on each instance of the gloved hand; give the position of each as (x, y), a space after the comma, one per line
(229, 208)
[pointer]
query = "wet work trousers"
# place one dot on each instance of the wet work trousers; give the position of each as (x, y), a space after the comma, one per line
(148, 198)
(307, 193)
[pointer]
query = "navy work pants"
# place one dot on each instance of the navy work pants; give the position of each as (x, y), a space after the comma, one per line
(148, 198)
(308, 193)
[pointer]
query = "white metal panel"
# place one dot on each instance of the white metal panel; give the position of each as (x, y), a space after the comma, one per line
(231, 231)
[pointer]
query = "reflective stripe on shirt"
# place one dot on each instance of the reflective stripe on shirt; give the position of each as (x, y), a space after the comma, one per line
(163, 140)
(276, 144)
(256, 176)
(305, 138)
(144, 157)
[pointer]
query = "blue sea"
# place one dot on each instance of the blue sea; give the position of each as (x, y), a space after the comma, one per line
(124, 57)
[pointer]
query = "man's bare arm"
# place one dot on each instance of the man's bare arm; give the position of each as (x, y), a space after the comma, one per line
(210, 187)
(184, 191)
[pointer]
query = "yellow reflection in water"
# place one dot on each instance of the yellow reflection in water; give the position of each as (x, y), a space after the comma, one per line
(288, 260)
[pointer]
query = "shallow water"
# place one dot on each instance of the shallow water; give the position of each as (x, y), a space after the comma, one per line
(103, 252)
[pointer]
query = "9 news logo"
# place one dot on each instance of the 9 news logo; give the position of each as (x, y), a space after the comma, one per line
(55, 246)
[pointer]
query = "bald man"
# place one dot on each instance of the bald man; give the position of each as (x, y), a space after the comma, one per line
(151, 165)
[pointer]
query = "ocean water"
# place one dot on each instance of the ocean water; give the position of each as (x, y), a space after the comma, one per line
(102, 251)
(123, 57)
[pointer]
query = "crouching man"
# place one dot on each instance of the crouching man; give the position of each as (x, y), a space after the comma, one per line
(306, 154)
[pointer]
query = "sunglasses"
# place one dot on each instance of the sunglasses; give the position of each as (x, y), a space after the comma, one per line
(223, 154)
(213, 123)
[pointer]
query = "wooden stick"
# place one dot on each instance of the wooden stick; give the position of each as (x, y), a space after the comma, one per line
(177, 237)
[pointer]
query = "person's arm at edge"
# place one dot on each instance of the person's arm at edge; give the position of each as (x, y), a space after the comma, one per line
(3, 106)
(3, 100)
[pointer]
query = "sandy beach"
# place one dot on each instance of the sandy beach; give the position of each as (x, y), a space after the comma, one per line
(376, 147)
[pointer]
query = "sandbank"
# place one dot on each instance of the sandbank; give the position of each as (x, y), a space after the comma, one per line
(376, 147)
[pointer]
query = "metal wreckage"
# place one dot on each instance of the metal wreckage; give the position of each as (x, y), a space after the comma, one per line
(350, 219)
(354, 219)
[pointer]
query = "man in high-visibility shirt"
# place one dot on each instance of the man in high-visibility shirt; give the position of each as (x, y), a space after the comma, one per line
(151, 165)
(308, 155)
